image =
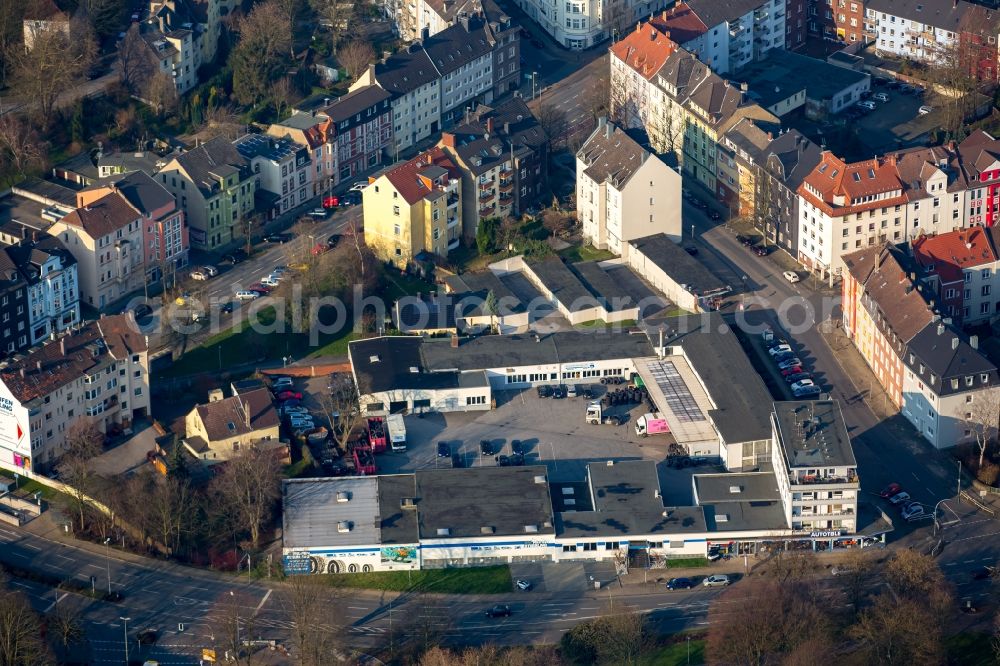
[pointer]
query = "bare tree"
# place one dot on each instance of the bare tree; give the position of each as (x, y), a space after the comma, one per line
(893, 632)
(11, 34)
(598, 95)
(315, 633)
(55, 64)
(282, 95)
(258, 57)
(83, 443)
(918, 576)
(554, 122)
(981, 417)
(333, 16)
(64, 626)
(21, 150)
(134, 64)
(792, 566)
(340, 404)
(233, 628)
(355, 57)
(858, 566)
(249, 487)
(20, 632)
(161, 93)
(170, 504)
(222, 120)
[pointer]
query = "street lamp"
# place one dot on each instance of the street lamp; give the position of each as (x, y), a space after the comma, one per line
(237, 608)
(125, 621)
(533, 93)
(107, 560)
(958, 491)
(689, 650)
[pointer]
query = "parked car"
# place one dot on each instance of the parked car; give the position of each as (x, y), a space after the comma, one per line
(147, 637)
(745, 241)
(544, 391)
(198, 274)
(807, 391)
(330, 202)
(517, 447)
(912, 511)
(359, 186)
(891, 490)
(246, 295)
(499, 610)
(801, 384)
(142, 310)
(783, 356)
(279, 381)
(332, 241)
(559, 391)
(797, 376)
(881, 97)
(289, 395)
(761, 250)
(866, 105)
(277, 238)
(777, 342)
(571, 391)
(269, 281)
(924, 110)
(234, 258)
(984, 573)
(691, 249)
(444, 450)
(783, 348)
(680, 584)
(791, 276)
(788, 373)
(350, 199)
(261, 289)
(716, 580)
(522, 585)
(899, 498)
(486, 447)
(789, 363)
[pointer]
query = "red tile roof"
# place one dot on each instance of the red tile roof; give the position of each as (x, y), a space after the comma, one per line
(681, 23)
(104, 216)
(838, 188)
(949, 254)
(242, 414)
(646, 49)
(407, 177)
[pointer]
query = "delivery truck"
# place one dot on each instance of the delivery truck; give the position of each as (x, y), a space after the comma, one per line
(397, 432)
(651, 424)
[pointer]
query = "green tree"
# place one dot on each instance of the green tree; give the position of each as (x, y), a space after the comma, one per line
(486, 235)
(77, 127)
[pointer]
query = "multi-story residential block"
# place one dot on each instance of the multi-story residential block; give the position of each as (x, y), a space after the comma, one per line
(936, 189)
(635, 61)
(360, 136)
(204, 18)
(815, 467)
(49, 271)
(796, 24)
(105, 235)
(726, 35)
(979, 158)
(883, 311)
(433, 80)
(502, 153)
(175, 55)
(110, 164)
(214, 186)
(623, 191)
(922, 30)
(43, 16)
(414, 208)
(979, 43)
(314, 131)
(281, 167)
(435, 16)
(963, 268)
(165, 242)
(845, 207)
(14, 328)
(838, 20)
(98, 374)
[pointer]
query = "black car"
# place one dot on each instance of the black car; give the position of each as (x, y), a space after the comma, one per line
(504, 461)
(691, 249)
(147, 637)
(544, 391)
(277, 238)
(761, 250)
(777, 342)
(797, 377)
(444, 451)
(486, 447)
(517, 447)
(227, 307)
(350, 199)
(500, 610)
(745, 241)
(984, 573)
(332, 241)
(559, 392)
(516, 460)
(234, 258)
(680, 584)
(715, 215)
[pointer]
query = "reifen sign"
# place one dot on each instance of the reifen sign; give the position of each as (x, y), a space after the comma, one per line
(11, 431)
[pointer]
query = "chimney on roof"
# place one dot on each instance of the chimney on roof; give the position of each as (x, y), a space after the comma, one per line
(954, 342)
(940, 330)
(506, 129)
(607, 130)
(448, 139)
(974, 341)
(38, 366)
(489, 125)
(664, 14)
(62, 346)
(246, 412)
(21, 371)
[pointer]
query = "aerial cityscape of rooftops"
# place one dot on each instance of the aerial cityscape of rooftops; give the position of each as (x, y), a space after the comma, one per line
(499, 331)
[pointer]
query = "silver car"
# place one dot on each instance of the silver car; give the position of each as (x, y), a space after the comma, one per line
(716, 580)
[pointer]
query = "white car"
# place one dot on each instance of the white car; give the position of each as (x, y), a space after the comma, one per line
(282, 383)
(924, 110)
(716, 580)
(210, 271)
(882, 97)
(899, 498)
(244, 295)
(913, 511)
(777, 350)
(799, 385)
(359, 186)
(199, 274)
(867, 106)
(523, 585)
(269, 281)
(791, 276)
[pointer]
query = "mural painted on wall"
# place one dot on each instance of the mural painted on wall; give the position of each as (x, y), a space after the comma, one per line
(399, 554)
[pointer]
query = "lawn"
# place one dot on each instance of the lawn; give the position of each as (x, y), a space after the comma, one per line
(585, 253)
(474, 580)
(687, 562)
(401, 285)
(598, 323)
(675, 654)
(970, 649)
(30, 487)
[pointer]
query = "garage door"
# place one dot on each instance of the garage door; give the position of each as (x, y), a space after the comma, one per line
(397, 407)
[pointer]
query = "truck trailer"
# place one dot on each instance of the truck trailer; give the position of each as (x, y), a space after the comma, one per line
(651, 424)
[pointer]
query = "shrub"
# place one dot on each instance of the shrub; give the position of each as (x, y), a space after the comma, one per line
(988, 473)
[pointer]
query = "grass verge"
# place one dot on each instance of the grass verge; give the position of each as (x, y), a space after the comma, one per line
(687, 562)
(474, 580)
(970, 649)
(585, 253)
(675, 654)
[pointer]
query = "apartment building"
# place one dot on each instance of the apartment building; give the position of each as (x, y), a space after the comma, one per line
(579, 25)
(922, 30)
(97, 374)
(882, 311)
(283, 170)
(963, 269)
(980, 160)
(502, 154)
(979, 42)
(815, 467)
(936, 188)
(51, 303)
(435, 16)
(635, 60)
(796, 24)
(415, 208)
(361, 131)
(838, 20)
(315, 131)
(623, 191)
(214, 186)
(175, 55)
(432, 81)
(105, 235)
(165, 243)
(847, 206)
(42, 16)
(203, 18)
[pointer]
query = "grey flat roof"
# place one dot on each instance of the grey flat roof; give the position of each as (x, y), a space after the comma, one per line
(627, 502)
(608, 292)
(742, 412)
(495, 351)
(682, 268)
(311, 512)
(394, 362)
(473, 379)
(470, 291)
(565, 286)
(737, 487)
(507, 501)
(738, 516)
(790, 71)
(813, 434)
(397, 525)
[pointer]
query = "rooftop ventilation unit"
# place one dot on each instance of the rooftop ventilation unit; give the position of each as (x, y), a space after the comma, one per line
(722, 518)
(443, 531)
(540, 478)
(407, 503)
(531, 529)
(735, 489)
(487, 529)
(344, 526)
(343, 496)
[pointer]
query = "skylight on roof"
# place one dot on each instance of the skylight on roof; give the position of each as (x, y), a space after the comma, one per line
(833, 174)
(822, 168)
(857, 177)
(871, 173)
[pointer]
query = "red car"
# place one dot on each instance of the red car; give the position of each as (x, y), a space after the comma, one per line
(891, 490)
(319, 249)
(794, 370)
(330, 202)
(260, 288)
(289, 395)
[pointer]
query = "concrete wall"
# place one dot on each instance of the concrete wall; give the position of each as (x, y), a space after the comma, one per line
(659, 279)
(443, 400)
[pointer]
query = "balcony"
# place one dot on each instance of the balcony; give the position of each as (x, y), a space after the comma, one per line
(452, 201)
(506, 198)
(506, 185)
(487, 185)
(453, 244)
(452, 222)
(487, 209)
(810, 480)
(737, 31)
(486, 195)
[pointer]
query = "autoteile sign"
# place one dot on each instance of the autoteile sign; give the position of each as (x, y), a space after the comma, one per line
(827, 534)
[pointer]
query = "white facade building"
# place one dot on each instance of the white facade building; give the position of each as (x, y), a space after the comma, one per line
(282, 167)
(922, 30)
(53, 289)
(624, 192)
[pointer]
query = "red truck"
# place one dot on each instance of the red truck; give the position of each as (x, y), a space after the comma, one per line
(378, 434)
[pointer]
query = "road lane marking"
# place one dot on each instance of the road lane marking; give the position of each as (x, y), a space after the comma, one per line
(53, 604)
(263, 600)
(31, 546)
(364, 608)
